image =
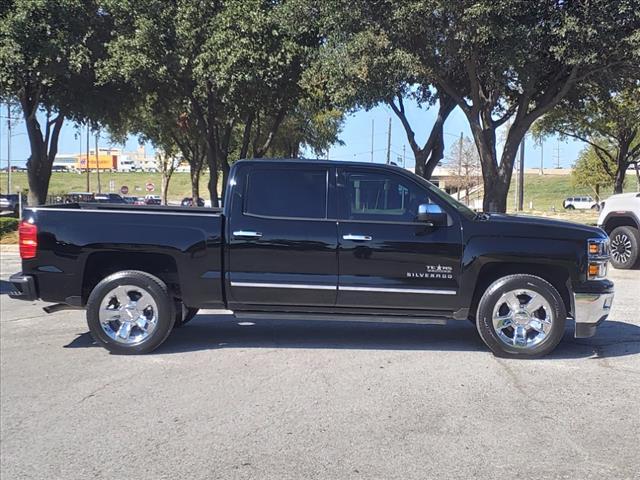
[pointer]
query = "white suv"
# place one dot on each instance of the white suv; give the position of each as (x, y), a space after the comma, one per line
(620, 218)
(580, 203)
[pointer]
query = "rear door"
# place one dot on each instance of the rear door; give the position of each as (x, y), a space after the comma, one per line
(282, 245)
(387, 259)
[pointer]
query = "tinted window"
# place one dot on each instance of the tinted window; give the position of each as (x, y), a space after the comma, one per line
(380, 197)
(291, 192)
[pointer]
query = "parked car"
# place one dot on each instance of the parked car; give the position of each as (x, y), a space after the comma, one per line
(620, 218)
(152, 200)
(108, 198)
(188, 202)
(317, 240)
(580, 203)
(10, 203)
(74, 197)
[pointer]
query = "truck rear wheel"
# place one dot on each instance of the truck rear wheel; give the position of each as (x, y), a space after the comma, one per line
(521, 316)
(130, 312)
(624, 247)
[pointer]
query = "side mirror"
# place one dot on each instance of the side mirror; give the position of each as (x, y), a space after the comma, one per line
(431, 213)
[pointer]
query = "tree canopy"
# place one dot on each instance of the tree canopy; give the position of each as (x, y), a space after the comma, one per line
(607, 118)
(506, 60)
(47, 55)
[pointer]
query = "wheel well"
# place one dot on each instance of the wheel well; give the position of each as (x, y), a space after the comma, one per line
(618, 221)
(556, 276)
(103, 264)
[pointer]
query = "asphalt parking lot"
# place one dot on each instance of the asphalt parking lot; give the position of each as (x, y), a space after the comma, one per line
(280, 400)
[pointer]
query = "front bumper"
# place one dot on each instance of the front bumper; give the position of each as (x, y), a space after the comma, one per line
(590, 310)
(24, 287)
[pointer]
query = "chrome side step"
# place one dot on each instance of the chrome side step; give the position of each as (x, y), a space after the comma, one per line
(330, 317)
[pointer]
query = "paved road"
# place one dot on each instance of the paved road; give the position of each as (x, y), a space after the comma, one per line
(280, 400)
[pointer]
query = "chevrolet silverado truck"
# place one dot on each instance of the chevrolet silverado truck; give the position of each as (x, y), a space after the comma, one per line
(317, 240)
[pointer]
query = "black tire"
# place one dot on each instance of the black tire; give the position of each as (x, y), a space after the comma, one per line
(570, 207)
(184, 314)
(510, 283)
(148, 284)
(624, 247)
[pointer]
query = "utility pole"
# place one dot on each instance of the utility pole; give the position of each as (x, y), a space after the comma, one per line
(558, 155)
(86, 163)
(98, 161)
(404, 161)
(389, 143)
(8, 148)
(521, 177)
(372, 124)
(541, 157)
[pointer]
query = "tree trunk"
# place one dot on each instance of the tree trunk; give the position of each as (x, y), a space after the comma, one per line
(164, 187)
(621, 164)
(496, 177)
(618, 183)
(194, 175)
(43, 151)
(212, 163)
(427, 157)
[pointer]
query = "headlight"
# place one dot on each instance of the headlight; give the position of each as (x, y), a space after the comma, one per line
(598, 256)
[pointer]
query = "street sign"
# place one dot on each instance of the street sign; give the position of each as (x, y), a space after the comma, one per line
(150, 187)
(124, 189)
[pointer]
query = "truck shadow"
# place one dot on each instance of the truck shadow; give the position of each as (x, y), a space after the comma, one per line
(208, 332)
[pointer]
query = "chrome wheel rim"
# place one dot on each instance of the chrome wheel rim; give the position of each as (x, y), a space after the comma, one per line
(621, 248)
(128, 314)
(522, 319)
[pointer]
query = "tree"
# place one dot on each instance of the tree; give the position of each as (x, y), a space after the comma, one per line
(311, 125)
(47, 53)
(590, 171)
(169, 161)
(233, 66)
(606, 118)
(502, 60)
(463, 162)
(365, 63)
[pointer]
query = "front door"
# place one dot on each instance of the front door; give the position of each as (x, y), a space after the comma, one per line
(281, 245)
(387, 259)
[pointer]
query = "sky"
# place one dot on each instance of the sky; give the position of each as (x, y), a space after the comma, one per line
(356, 136)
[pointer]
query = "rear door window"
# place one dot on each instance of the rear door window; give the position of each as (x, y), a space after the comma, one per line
(295, 192)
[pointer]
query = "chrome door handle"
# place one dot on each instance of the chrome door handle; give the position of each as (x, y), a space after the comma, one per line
(246, 234)
(357, 238)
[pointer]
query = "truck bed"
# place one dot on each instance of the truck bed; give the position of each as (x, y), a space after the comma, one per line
(78, 243)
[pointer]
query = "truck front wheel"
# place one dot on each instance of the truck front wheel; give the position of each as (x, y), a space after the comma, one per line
(521, 316)
(130, 312)
(624, 247)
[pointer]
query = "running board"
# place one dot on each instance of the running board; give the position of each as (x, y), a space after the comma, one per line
(331, 317)
(58, 307)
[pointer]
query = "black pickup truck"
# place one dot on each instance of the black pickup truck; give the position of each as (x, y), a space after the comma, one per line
(317, 240)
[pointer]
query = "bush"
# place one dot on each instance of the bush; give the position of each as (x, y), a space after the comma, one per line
(8, 224)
